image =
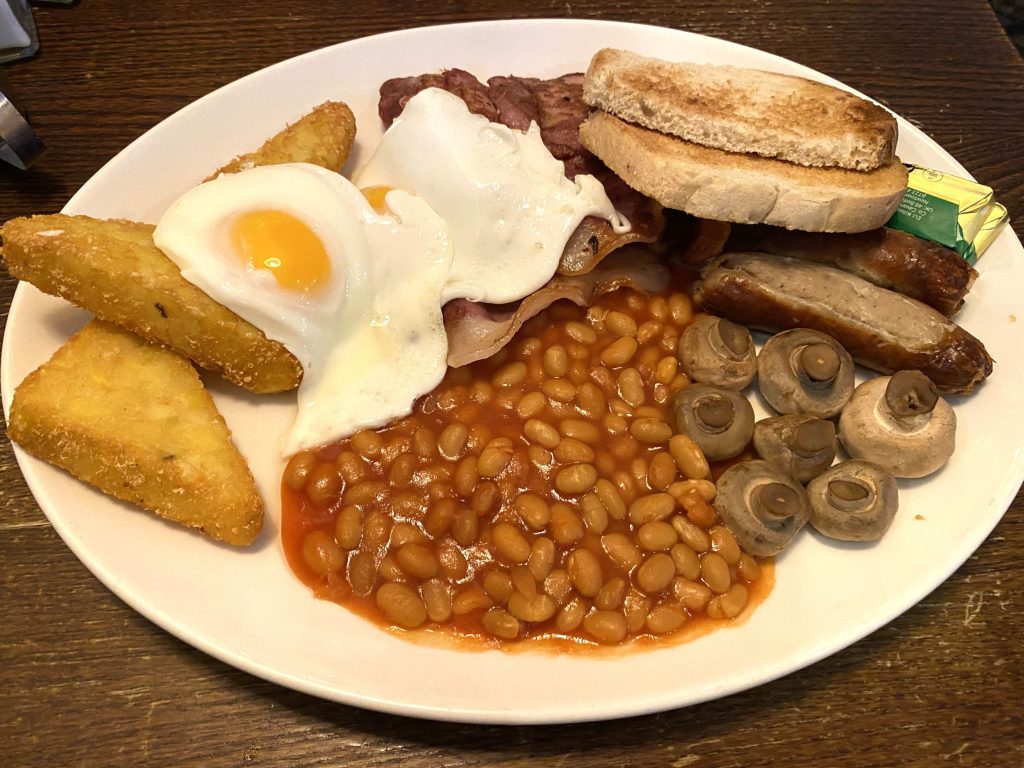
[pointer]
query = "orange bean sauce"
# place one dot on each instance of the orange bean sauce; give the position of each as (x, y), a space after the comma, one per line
(530, 499)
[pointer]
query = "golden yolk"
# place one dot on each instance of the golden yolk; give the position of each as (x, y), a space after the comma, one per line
(279, 242)
(375, 197)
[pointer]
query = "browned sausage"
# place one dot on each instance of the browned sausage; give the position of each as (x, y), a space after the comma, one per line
(922, 270)
(880, 329)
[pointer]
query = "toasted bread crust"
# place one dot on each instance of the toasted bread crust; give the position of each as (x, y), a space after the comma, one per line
(744, 189)
(743, 110)
(135, 421)
(113, 269)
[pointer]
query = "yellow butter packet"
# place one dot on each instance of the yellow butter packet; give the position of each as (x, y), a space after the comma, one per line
(995, 220)
(943, 208)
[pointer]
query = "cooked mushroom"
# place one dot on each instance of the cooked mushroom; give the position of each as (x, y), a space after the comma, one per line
(801, 446)
(805, 371)
(900, 423)
(762, 506)
(853, 501)
(720, 421)
(719, 352)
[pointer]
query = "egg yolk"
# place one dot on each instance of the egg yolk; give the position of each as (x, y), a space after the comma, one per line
(375, 197)
(283, 245)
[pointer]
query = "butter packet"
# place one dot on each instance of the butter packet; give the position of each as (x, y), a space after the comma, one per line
(949, 210)
(994, 222)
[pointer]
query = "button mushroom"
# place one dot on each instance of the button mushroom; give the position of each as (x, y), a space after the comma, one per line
(801, 446)
(805, 371)
(762, 506)
(720, 421)
(853, 501)
(719, 352)
(900, 423)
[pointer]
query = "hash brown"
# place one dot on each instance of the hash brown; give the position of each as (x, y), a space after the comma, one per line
(324, 137)
(113, 269)
(159, 443)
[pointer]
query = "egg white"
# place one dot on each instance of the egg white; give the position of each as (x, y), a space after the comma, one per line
(195, 233)
(510, 207)
(475, 210)
(380, 308)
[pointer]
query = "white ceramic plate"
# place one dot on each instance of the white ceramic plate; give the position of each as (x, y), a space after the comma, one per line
(247, 609)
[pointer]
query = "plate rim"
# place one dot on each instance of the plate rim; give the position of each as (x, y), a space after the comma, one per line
(296, 682)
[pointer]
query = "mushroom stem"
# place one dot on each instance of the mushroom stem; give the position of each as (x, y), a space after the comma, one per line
(714, 412)
(846, 494)
(819, 363)
(775, 502)
(812, 437)
(910, 395)
(731, 338)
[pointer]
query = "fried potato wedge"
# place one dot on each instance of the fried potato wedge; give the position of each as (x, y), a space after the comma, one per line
(113, 269)
(134, 420)
(324, 137)
(131, 418)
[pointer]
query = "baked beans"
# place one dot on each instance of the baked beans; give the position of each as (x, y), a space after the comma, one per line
(730, 604)
(402, 605)
(542, 558)
(437, 599)
(636, 607)
(666, 618)
(611, 594)
(656, 536)
(541, 492)
(452, 442)
(685, 560)
(571, 615)
(500, 623)
(296, 472)
(606, 627)
(585, 571)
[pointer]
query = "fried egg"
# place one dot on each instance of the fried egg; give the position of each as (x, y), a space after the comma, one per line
(351, 281)
(510, 207)
(300, 253)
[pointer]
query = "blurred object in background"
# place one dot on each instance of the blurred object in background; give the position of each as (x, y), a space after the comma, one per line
(1011, 15)
(19, 144)
(17, 32)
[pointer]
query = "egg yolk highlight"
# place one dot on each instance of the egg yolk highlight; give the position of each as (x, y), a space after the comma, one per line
(283, 245)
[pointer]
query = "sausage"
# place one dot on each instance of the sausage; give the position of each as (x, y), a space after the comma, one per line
(693, 241)
(881, 329)
(920, 269)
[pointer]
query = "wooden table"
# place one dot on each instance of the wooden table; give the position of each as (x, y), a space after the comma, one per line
(86, 681)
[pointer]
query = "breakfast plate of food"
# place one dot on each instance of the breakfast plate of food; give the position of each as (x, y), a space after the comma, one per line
(513, 387)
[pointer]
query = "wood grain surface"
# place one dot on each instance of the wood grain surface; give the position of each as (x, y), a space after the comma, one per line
(88, 682)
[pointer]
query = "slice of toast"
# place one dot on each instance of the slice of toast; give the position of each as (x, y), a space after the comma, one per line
(742, 188)
(135, 421)
(743, 110)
